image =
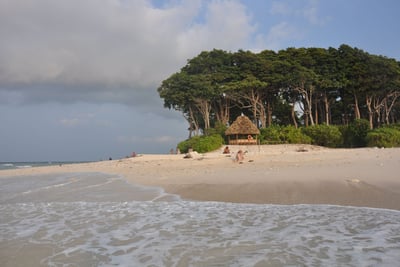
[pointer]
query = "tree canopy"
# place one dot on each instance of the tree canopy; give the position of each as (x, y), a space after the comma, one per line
(295, 86)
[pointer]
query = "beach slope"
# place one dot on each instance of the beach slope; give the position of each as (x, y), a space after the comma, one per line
(269, 174)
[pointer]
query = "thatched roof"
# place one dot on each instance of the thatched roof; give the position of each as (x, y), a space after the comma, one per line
(242, 125)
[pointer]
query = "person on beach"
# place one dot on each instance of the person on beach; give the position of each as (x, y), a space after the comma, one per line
(226, 150)
(240, 156)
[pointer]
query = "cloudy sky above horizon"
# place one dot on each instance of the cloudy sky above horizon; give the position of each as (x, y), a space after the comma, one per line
(79, 78)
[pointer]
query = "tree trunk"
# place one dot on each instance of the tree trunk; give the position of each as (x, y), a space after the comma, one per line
(326, 105)
(307, 96)
(269, 114)
(368, 101)
(204, 108)
(222, 111)
(263, 117)
(253, 97)
(392, 97)
(316, 115)
(377, 109)
(193, 124)
(357, 114)
(293, 113)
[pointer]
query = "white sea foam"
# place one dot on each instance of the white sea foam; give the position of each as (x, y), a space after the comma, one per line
(202, 234)
(7, 165)
(103, 221)
(24, 166)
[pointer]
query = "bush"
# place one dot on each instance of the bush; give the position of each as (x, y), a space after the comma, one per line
(383, 137)
(184, 146)
(271, 135)
(394, 126)
(276, 134)
(201, 144)
(324, 135)
(294, 135)
(218, 128)
(354, 135)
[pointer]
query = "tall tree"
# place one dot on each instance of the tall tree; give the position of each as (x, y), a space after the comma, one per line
(329, 85)
(383, 90)
(249, 93)
(178, 93)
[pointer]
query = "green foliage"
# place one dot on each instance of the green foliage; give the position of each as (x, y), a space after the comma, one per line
(216, 84)
(354, 134)
(271, 135)
(184, 146)
(383, 137)
(294, 135)
(276, 134)
(201, 144)
(219, 128)
(394, 126)
(324, 135)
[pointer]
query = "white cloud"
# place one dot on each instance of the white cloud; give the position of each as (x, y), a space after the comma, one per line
(227, 25)
(295, 20)
(113, 50)
(278, 34)
(311, 13)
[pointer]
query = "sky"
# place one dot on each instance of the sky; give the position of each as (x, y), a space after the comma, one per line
(79, 78)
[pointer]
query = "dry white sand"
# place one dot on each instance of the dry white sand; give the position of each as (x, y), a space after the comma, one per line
(276, 174)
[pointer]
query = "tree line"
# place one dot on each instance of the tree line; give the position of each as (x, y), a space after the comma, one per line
(295, 86)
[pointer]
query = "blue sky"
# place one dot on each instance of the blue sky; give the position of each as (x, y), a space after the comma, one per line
(78, 78)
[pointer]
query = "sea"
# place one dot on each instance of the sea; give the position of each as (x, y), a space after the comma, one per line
(24, 165)
(97, 219)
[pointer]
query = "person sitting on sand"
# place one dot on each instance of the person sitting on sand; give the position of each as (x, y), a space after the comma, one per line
(240, 156)
(226, 150)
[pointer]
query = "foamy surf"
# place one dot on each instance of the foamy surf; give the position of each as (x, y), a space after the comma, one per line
(197, 234)
(99, 231)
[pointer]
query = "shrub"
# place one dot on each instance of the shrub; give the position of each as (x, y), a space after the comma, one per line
(184, 146)
(276, 134)
(294, 135)
(383, 137)
(394, 126)
(272, 134)
(201, 144)
(324, 135)
(354, 135)
(218, 128)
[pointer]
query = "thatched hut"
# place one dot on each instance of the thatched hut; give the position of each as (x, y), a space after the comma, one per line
(242, 132)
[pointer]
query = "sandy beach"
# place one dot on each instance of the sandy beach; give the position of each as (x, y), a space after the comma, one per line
(270, 174)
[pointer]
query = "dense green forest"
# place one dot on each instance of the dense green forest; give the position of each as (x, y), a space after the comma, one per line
(296, 86)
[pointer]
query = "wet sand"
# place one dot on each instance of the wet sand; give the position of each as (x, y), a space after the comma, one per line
(273, 174)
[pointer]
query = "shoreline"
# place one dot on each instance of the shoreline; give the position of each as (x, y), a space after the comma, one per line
(270, 174)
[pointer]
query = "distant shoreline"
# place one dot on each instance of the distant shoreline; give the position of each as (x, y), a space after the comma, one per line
(269, 174)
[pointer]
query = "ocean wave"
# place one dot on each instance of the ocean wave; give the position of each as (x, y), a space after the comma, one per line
(24, 166)
(186, 233)
(7, 165)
